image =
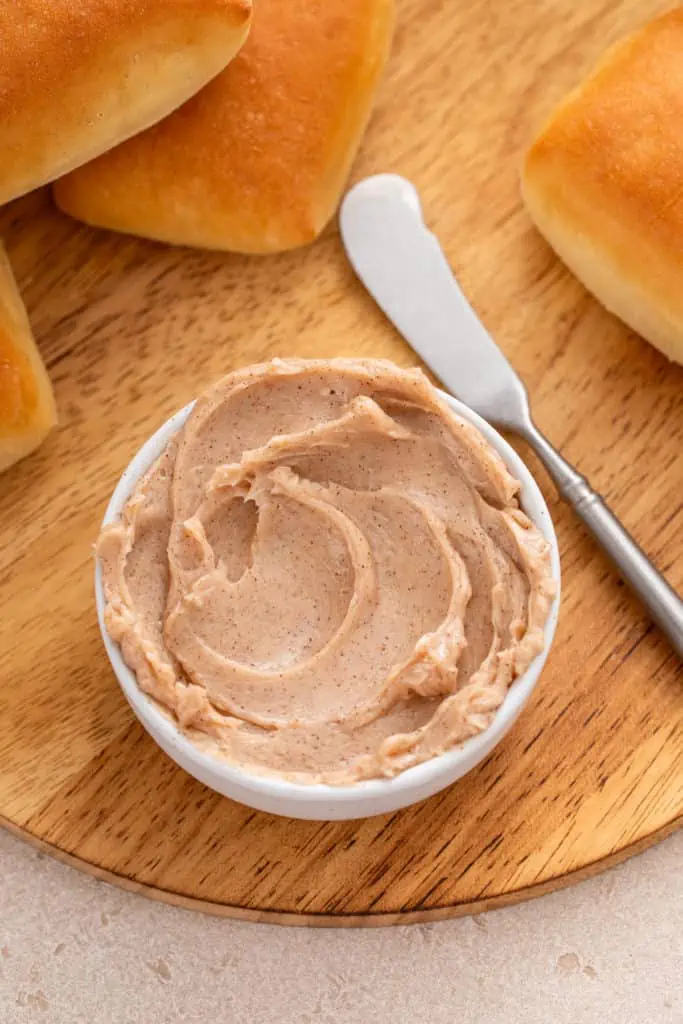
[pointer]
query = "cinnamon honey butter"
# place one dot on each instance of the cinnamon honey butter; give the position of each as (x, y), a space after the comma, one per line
(327, 575)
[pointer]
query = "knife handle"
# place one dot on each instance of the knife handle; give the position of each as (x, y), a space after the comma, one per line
(661, 601)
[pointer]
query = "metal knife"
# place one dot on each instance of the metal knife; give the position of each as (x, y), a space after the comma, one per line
(403, 267)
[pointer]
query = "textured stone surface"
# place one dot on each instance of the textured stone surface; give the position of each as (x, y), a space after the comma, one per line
(76, 951)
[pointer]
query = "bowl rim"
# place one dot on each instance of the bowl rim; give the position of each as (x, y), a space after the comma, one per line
(471, 750)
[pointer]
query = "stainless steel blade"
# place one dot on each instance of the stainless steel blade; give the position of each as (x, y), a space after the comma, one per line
(403, 266)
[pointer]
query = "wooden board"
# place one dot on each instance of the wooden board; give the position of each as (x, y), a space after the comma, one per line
(131, 331)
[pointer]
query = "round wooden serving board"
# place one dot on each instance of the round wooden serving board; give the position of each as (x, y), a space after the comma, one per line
(131, 331)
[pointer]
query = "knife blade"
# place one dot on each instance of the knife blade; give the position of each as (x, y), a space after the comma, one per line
(404, 267)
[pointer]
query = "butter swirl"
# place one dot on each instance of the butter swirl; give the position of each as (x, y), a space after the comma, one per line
(327, 575)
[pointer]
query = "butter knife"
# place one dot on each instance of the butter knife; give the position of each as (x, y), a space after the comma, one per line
(402, 265)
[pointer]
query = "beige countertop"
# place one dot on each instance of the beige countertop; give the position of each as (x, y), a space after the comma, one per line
(77, 951)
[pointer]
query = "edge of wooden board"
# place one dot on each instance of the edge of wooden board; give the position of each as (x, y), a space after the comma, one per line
(354, 920)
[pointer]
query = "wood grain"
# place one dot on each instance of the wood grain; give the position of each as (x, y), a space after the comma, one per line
(131, 331)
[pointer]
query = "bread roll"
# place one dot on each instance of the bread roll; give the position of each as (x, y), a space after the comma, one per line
(79, 76)
(604, 182)
(27, 407)
(257, 161)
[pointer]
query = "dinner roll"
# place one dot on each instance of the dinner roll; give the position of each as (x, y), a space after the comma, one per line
(79, 76)
(603, 182)
(257, 161)
(27, 406)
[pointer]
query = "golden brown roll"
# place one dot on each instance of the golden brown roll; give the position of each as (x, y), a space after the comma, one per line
(603, 182)
(257, 161)
(79, 76)
(27, 406)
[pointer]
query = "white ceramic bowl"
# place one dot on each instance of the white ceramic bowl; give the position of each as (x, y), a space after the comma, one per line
(318, 802)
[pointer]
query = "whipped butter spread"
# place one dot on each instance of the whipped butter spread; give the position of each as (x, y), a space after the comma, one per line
(326, 575)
